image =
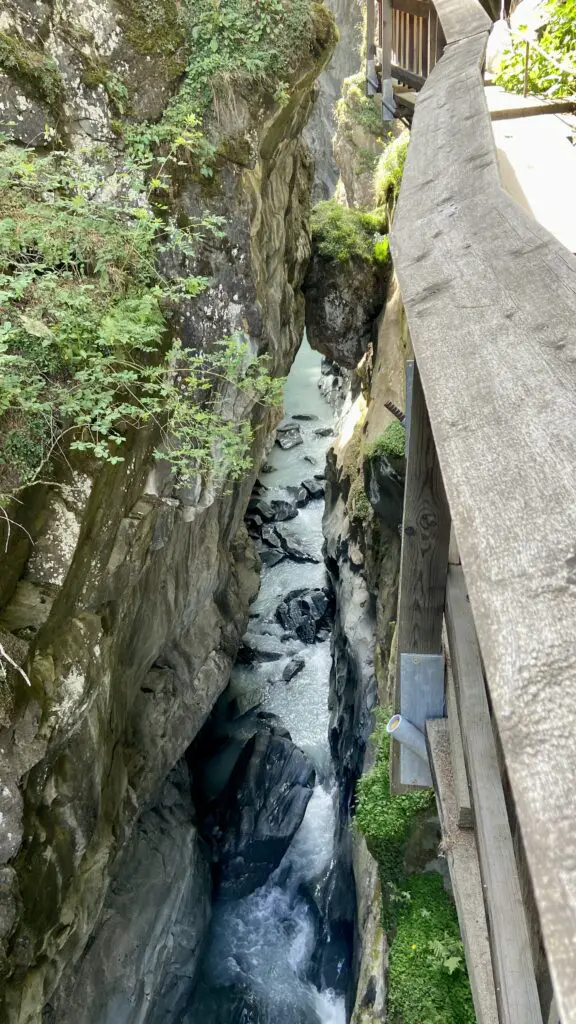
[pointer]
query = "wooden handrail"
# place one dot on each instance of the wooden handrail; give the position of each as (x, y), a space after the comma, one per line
(490, 298)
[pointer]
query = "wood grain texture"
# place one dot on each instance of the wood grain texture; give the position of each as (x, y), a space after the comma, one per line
(424, 558)
(462, 858)
(516, 988)
(465, 815)
(491, 304)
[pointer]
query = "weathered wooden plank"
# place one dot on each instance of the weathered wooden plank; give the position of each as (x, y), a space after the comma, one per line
(424, 559)
(462, 18)
(512, 959)
(533, 109)
(465, 814)
(462, 858)
(491, 304)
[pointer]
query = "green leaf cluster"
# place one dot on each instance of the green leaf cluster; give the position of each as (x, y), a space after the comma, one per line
(87, 349)
(342, 233)
(558, 40)
(427, 980)
(229, 42)
(389, 170)
(391, 443)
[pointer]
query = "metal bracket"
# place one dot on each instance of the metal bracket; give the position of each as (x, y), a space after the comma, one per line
(421, 697)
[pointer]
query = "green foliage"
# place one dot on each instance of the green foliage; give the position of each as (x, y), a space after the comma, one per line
(30, 66)
(356, 108)
(97, 73)
(228, 41)
(358, 505)
(342, 233)
(391, 443)
(427, 980)
(85, 350)
(389, 170)
(558, 40)
(385, 820)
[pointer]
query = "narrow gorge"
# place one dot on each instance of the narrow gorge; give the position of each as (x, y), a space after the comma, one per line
(203, 355)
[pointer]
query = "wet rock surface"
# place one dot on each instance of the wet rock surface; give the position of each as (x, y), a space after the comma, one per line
(259, 813)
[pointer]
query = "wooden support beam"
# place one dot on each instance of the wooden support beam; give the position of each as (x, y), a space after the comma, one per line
(512, 960)
(462, 858)
(424, 559)
(465, 814)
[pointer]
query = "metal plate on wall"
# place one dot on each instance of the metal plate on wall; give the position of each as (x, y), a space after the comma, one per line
(421, 697)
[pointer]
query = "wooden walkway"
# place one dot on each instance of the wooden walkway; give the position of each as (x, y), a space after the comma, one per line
(490, 297)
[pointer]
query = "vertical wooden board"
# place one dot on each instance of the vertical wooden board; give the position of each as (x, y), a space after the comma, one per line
(512, 959)
(462, 857)
(461, 790)
(424, 559)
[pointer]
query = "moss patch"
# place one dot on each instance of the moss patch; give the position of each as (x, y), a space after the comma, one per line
(342, 233)
(31, 68)
(356, 109)
(392, 443)
(389, 170)
(427, 978)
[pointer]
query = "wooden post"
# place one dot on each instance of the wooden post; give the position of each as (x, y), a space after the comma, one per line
(388, 102)
(424, 560)
(371, 76)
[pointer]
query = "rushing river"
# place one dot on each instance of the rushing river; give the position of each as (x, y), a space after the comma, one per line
(261, 965)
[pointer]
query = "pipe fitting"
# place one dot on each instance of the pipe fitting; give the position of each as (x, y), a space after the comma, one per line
(404, 732)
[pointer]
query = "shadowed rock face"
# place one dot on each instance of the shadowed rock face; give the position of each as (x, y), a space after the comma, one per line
(263, 809)
(136, 597)
(343, 300)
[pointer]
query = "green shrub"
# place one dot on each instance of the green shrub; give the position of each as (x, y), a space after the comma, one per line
(342, 233)
(558, 39)
(391, 443)
(389, 170)
(385, 820)
(85, 344)
(358, 505)
(355, 108)
(427, 979)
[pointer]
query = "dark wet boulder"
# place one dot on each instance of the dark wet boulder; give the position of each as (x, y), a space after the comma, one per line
(294, 549)
(300, 495)
(288, 435)
(270, 536)
(324, 431)
(293, 668)
(314, 487)
(261, 812)
(260, 508)
(306, 613)
(269, 557)
(283, 510)
(306, 417)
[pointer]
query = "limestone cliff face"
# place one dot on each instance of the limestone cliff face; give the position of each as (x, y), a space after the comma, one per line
(127, 595)
(363, 555)
(346, 61)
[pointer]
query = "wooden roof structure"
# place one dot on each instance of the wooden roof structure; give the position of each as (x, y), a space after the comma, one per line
(490, 298)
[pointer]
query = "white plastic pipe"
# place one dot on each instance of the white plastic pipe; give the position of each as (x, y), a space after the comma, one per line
(403, 731)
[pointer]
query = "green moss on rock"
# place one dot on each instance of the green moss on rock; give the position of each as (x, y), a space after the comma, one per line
(28, 65)
(391, 444)
(389, 170)
(342, 233)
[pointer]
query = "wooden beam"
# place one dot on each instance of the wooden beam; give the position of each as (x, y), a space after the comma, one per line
(462, 857)
(533, 109)
(407, 77)
(424, 559)
(465, 816)
(512, 960)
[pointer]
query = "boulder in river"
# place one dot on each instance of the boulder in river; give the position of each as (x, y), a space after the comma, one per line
(270, 557)
(300, 495)
(324, 432)
(294, 549)
(288, 435)
(306, 613)
(283, 510)
(314, 487)
(263, 809)
(260, 508)
(306, 417)
(293, 668)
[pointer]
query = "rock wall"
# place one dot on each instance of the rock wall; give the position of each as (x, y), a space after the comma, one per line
(363, 554)
(346, 61)
(127, 596)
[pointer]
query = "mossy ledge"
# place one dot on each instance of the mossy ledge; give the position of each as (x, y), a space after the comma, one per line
(35, 72)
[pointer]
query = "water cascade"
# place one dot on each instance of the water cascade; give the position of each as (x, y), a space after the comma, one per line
(274, 956)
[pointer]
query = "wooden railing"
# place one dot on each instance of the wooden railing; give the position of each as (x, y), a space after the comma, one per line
(490, 299)
(404, 42)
